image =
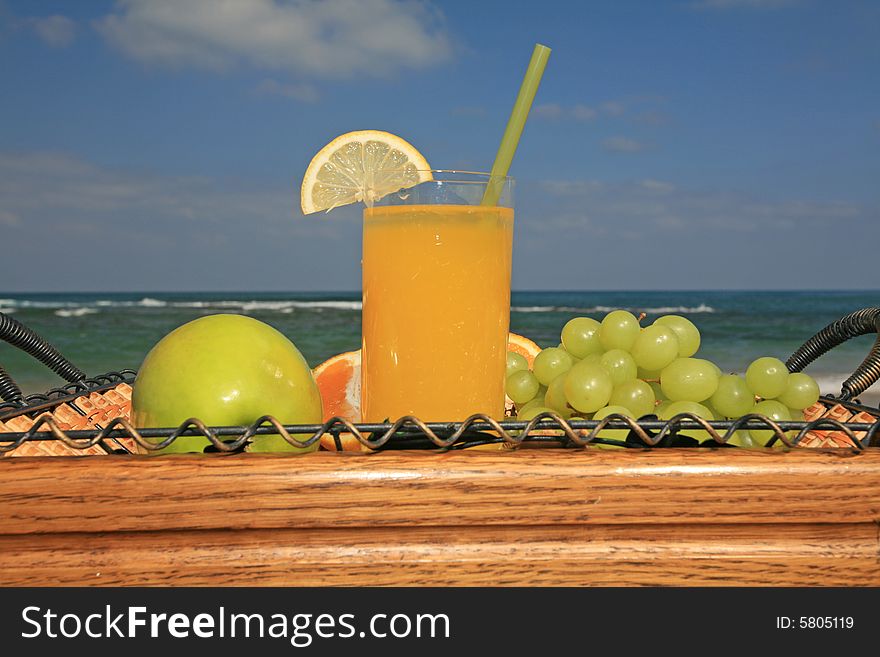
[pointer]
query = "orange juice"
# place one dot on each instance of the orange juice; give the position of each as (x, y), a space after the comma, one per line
(436, 293)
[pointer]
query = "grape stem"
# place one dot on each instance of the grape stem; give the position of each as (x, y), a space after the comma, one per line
(642, 316)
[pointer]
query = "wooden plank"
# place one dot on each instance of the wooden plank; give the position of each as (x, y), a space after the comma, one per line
(409, 489)
(693, 555)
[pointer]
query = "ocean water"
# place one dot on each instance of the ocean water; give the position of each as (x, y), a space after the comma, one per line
(100, 332)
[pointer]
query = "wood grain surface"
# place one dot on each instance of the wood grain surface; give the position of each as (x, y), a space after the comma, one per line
(479, 556)
(543, 517)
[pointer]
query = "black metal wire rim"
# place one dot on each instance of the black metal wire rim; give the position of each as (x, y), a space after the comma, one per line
(37, 402)
(443, 435)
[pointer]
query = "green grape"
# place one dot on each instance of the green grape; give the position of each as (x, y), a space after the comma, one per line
(555, 396)
(613, 434)
(797, 414)
(619, 330)
(678, 407)
(635, 395)
(620, 365)
(532, 412)
(537, 401)
(522, 386)
(648, 375)
(550, 363)
(688, 334)
(515, 363)
(662, 407)
(714, 411)
(588, 387)
(659, 395)
(801, 391)
(743, 439)
(574, 359)
(580, 337)
(775, 411)
(767, 377)
(655, 347)
(689, 379)
(696, 408)
(733, 398)
(714, 366)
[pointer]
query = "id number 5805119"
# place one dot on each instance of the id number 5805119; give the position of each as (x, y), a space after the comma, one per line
(815, 622)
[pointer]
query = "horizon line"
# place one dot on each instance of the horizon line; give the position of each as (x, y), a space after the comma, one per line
(513, 291)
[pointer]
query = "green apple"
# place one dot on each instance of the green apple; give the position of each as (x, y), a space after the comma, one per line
(226, 370)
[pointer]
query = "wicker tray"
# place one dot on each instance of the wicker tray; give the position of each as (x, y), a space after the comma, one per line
(91, 410)
(92, 416)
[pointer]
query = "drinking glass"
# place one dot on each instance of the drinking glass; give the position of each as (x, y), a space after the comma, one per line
(436, 300)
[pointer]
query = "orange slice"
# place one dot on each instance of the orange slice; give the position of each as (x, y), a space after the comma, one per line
(526, 348)
(339, 381)
(363, 165)
(523, 346)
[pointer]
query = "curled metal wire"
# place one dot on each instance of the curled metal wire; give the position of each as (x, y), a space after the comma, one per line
(26, 339)
(9, 390)
(860, 322)
(476, 429)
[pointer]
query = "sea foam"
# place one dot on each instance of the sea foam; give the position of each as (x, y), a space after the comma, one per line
(702, 308)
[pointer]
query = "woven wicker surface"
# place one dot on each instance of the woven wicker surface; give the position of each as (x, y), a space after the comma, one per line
(820, 438)
(91, 411)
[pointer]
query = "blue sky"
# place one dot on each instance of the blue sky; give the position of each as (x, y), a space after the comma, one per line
(686, 144)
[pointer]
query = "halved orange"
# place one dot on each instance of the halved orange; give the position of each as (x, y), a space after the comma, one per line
(526, 348)
(339, 381)
(523, 346)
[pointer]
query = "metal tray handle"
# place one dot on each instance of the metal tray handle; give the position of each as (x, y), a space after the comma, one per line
(860, 322)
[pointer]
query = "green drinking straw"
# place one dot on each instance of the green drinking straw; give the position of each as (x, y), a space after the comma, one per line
(515, 124)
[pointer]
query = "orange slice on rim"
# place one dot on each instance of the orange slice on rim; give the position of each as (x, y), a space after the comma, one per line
(363, 165)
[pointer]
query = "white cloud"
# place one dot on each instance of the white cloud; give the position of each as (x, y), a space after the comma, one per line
(613, 108)
(583, 113)
(301, 91)
(652, 233)
(334, 38)
(547, 111)
(652, 204)
(623, 145)
(56, 31)
(579, 111)
(111, 228)
(555, 111)
(657, 186)
(651, 118)
(572, 187)
(8, 218)
(40, 186)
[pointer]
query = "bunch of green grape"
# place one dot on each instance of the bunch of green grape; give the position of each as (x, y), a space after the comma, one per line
(618, 366)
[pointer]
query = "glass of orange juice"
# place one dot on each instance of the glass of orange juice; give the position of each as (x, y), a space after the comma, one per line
(436, 300)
